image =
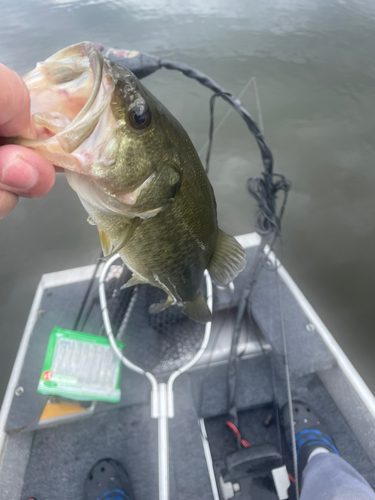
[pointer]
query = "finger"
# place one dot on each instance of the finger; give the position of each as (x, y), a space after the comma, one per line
(7, 202)
(14, 105)
(24, 172)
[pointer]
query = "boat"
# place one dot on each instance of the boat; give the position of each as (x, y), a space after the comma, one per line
(191, 410)
(48, 444)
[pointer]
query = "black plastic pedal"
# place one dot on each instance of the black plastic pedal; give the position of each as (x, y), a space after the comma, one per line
(252, 461)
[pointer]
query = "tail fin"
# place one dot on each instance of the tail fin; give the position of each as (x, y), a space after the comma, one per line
(197, 309)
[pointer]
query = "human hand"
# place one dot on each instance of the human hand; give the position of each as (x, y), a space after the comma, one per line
(22, 171)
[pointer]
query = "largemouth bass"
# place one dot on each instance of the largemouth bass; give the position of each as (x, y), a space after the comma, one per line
(136, 173)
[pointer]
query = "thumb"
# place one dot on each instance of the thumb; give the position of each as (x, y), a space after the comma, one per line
(15, 116)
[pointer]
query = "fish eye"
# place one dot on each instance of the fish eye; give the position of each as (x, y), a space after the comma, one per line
(140, 118)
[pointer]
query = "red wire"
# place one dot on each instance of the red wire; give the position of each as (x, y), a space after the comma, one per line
(233, 428)
(246, 444)
(291, 478)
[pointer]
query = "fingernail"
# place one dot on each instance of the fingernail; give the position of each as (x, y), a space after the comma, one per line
(19, 174)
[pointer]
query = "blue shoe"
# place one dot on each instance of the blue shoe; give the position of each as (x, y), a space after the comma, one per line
(107, 480)
(310, 431)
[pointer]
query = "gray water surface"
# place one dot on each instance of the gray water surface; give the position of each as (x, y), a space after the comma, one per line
(314, 65)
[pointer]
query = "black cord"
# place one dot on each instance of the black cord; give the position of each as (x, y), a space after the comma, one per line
(233, 357)
(208, 365)
(230, 99)
(211, 131)
(88, 290)
(271, 363)
(264, 189)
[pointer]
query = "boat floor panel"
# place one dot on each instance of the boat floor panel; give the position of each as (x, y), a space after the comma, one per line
(60, 457)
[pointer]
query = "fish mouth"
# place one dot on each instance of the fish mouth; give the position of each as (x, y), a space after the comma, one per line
(78, 129)
(69, 93)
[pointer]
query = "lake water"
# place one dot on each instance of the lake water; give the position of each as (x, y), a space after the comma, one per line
(314, 65)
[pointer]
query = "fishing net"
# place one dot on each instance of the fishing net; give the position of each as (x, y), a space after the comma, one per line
(158, 343)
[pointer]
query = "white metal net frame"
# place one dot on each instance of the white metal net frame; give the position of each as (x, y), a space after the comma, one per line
(162, 399)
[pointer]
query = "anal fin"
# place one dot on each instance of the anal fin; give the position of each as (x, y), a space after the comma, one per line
(161, 306)
(228, 259)
(134, 280)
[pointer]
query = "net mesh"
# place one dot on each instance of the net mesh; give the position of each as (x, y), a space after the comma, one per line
(159, 343)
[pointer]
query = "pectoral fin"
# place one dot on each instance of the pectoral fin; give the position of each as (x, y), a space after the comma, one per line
(136, 222)
(105, 242)
(228, 260)
(153, 195)
(197, 309)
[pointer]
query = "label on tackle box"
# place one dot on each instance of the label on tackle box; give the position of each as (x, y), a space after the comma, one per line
(81, 366)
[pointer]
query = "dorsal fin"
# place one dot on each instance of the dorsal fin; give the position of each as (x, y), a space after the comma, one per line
(228, 259)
